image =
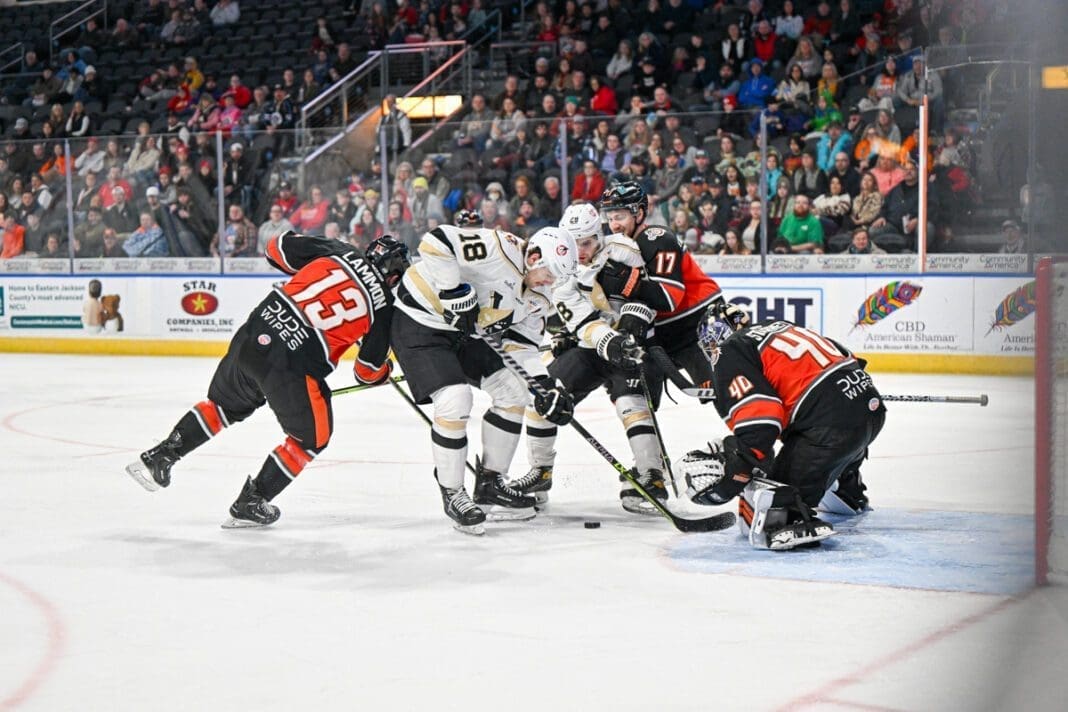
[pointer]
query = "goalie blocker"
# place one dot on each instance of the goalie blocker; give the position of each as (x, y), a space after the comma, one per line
(778, 380)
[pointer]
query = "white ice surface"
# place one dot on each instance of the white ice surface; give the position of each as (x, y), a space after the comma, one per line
(363, 598)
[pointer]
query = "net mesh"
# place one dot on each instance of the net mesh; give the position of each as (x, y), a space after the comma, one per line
(1058, 514)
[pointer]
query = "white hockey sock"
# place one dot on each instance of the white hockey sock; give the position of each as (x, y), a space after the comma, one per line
(638, 422)
(452, 407)
(541, 439)
(501, 428)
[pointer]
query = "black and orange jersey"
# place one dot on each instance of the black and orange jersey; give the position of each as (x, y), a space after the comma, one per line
(335, 297)
(686, 288)
(766, 374)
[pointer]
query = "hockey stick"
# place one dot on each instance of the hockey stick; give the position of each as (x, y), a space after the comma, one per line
(362, 387)
(395, 382)
(687, 388)
(665, 459)
(716, 522)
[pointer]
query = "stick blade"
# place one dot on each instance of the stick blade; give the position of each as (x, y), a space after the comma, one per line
(715, 523)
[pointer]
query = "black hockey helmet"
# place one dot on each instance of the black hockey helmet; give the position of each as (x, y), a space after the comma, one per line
(390, 257)
(626, 195)
(467, 218)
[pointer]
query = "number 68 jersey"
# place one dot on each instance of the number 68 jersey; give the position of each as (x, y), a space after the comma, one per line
(491, 261)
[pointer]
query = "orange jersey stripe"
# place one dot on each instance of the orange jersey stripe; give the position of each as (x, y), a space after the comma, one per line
(757, 409)
(275, 254)
(320, 412)
(210, 416)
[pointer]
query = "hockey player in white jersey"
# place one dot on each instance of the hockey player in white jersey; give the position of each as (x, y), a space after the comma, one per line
(474, 282)
(600, 345)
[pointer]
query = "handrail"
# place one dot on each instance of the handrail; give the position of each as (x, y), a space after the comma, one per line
(53, 35)
(471, 31)
(20, 60)
(324, 96)
(458, 57)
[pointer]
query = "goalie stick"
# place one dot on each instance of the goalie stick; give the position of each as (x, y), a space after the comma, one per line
(716, 522)
(683, 384)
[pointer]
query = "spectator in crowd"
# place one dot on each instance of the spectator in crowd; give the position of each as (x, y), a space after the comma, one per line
(275, 225)
(225, 12)
(832, 143)
(14, 238)
(120, 216)
(910, 92)
(897, 227)
(34, 236)
(491, 216)
(89, 235)
(888, 174)
(806, 56)
(437, 182)
(396, 126)
(757, 88)
(733, 244)
(781, 204)
(310, 217)
(237, 177)
(725, 85)
(475, 127)
(239, 236)
(843, 169)
(833, 206)
(809, 180)
(424, 206)
(342, 210)
(147, 240)
(789, 24)
(366, 229)
(801, 229)
(622, 61)
(860, 243)
(1015, 241)
(589, 184)
(194, 227)
(286, 199)
(551, 207)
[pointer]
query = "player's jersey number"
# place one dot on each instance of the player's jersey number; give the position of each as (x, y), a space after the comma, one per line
(798, 343)
(329, 302)
(473, 248)
(665, 262)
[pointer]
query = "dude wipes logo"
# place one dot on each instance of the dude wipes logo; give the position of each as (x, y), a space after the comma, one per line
(199, 298)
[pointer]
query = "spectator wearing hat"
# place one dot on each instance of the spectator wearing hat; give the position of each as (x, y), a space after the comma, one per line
(424, 205)
(120, 215)
(280, 112)
(1015, 240)
(757, 88)
(114, 180)
(833, 142)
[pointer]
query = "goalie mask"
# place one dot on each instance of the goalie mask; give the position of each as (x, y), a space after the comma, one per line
(721, 320)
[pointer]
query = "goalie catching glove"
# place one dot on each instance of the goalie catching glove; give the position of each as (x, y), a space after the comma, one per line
(720, 474)
(554, 403)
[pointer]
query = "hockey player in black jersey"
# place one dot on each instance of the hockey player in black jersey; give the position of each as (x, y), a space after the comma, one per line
(678, 289)
(337, 296)
(778, 380)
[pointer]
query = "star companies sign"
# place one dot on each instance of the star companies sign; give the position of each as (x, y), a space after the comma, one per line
(199, 298)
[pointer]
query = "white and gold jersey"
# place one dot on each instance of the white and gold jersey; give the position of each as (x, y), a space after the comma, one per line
(581, 302)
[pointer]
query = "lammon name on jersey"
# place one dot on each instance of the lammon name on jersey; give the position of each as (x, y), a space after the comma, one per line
(491, 261)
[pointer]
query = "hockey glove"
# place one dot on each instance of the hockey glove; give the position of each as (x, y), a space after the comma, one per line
(556, 405)
(561, 342)
(460, 306)
(618, 279)
(740, 462)
(730, 313)
(621, 350)
(371, 376)
(635, 319)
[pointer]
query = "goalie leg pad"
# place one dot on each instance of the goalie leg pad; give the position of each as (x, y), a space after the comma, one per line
(774, 517)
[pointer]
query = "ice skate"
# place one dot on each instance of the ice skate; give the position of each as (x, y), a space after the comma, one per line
(537, 483)
(153, 469)
(501, 501)
(466, 515)
(846, 496)
(653, 482)
(250, 509)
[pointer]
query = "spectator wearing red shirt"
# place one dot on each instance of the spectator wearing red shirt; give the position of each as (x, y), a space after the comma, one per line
(764, 40)
(312, 214)
(603, 100)
(286, 199)
(821, 22)
(242, 94)
(588, 185)
(107, 198)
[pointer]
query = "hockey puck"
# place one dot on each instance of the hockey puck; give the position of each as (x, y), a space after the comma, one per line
(592, 525)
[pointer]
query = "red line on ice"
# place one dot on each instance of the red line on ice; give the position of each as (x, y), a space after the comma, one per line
(56, 637)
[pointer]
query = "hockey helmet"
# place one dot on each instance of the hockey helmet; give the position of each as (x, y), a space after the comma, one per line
(721, 320)
(627, 195)
(390, 257)
(467, 218)
(554, 249)
(582, 220)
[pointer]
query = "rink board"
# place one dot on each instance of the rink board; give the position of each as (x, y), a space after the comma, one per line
(974, 323)
(929, 550)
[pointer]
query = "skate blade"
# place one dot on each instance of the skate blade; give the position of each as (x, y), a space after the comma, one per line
(472, 530)
(496, 513)
(235, 523)
(834, 504)
(142, 476)
(801, 541)
(643, 508)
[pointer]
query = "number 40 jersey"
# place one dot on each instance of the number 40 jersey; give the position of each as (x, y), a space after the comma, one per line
(491, 262)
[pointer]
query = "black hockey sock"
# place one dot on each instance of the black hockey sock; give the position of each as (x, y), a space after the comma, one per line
(270, 481)
(281, 467)
(202, 422)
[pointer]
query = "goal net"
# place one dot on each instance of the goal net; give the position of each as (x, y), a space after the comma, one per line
(1051, 422)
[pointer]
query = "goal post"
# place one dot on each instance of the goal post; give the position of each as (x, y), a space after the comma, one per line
(1051, 422)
